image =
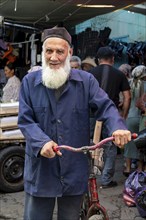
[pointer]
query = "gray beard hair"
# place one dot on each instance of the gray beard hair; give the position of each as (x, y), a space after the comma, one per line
(55, 78)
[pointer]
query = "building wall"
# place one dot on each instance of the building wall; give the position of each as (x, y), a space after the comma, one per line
(122, 23)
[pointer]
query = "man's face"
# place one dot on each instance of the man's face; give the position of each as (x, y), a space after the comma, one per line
(56, 51)
(86, 67)
(55, 62)
(74, 64)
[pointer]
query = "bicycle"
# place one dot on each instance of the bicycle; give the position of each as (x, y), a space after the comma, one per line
(91, 208)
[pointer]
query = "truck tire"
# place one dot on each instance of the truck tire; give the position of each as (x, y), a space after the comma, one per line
(11, 169)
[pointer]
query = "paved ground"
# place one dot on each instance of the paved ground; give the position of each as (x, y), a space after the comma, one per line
(11, 205)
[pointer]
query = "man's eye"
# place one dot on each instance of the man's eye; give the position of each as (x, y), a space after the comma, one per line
(48, 51)
(60, 52)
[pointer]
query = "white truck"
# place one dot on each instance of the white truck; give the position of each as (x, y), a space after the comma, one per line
(12, 149)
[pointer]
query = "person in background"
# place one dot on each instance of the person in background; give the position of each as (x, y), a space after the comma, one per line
(54, 110)
(75, 62)
(12, 87)
(3, 81)
(126, 69)
(132, 121)
(88, 64)
(112, 81)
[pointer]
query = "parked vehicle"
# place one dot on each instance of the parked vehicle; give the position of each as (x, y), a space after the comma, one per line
(12, 149)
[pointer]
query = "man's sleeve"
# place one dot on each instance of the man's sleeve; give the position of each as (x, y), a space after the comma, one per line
(34, 135)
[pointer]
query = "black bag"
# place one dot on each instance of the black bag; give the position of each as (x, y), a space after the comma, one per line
(140, 201)
(140, 141)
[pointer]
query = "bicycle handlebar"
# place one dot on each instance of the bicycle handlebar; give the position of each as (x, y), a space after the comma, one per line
(88, 148)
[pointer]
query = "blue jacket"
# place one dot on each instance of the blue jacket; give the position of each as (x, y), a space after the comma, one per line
(66, 121)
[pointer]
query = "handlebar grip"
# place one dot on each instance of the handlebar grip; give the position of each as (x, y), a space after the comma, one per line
(55, 149)
(134, 136)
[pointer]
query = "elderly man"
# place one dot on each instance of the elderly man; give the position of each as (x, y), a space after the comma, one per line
(54, 110)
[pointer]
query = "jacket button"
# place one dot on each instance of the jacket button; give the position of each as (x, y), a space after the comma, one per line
(60, 137)
(58, 121)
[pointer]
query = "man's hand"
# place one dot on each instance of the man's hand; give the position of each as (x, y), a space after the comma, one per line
(122, 137)
(47, 150)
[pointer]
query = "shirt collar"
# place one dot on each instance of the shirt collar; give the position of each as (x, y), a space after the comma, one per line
(75, 75)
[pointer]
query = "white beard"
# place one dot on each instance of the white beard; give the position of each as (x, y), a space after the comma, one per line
(55, 78)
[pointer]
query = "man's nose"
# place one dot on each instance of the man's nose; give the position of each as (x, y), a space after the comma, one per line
(54, 56)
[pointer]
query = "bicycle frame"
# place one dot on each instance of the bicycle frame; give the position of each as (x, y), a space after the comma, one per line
(92, 206)
(95, 208)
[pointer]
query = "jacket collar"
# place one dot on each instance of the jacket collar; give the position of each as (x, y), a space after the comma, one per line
(74, 75)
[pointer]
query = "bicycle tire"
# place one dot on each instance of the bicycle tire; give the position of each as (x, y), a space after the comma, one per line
(97, 212)
(96, 217)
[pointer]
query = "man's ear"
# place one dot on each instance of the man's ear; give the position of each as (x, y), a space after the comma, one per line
(71, 51)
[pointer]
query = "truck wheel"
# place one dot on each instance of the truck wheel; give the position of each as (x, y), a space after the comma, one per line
(11, 169)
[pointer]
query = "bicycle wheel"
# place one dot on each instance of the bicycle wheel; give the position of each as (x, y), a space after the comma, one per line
(97, 212)
(96, 217)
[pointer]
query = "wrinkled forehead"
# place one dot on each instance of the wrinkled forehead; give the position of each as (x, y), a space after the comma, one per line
(55, 42)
